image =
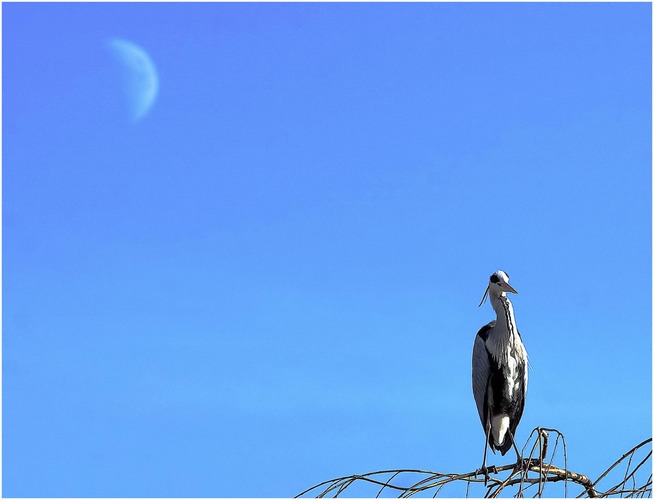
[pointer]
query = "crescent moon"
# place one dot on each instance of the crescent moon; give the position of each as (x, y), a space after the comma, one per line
(140, 78)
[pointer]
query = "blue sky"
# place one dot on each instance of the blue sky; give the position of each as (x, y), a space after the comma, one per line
(271, 278)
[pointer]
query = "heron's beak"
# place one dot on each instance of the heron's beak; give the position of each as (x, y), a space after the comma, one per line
(484, 297)
(509, 288)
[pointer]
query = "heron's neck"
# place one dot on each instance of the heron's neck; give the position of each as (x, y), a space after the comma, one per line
(504, 311)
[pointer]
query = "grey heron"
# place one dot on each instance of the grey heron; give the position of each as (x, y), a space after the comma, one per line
(499, 371)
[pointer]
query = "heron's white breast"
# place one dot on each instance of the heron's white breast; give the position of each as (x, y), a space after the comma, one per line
(507, 350)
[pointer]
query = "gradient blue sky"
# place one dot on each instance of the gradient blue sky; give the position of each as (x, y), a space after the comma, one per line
(272, 279)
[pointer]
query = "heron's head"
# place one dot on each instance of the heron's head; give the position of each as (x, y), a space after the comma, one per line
(498, 285)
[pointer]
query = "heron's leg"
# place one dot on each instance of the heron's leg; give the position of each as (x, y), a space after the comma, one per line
(484, 469)
(520, 463)
(519, 457)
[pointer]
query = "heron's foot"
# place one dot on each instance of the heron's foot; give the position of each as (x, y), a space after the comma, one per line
(523, 464)
(531, 462)
(485, 471)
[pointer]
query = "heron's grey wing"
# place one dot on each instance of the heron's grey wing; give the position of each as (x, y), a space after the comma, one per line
(520, 400)
(523, 369)
(481, 364)
(524, 389)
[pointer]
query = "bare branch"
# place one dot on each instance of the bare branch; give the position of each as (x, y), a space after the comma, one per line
(537, 470)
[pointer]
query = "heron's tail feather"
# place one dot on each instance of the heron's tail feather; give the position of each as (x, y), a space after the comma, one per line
(503, 448)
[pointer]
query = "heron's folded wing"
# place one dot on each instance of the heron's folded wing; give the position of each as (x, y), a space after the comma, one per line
(480, 373)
